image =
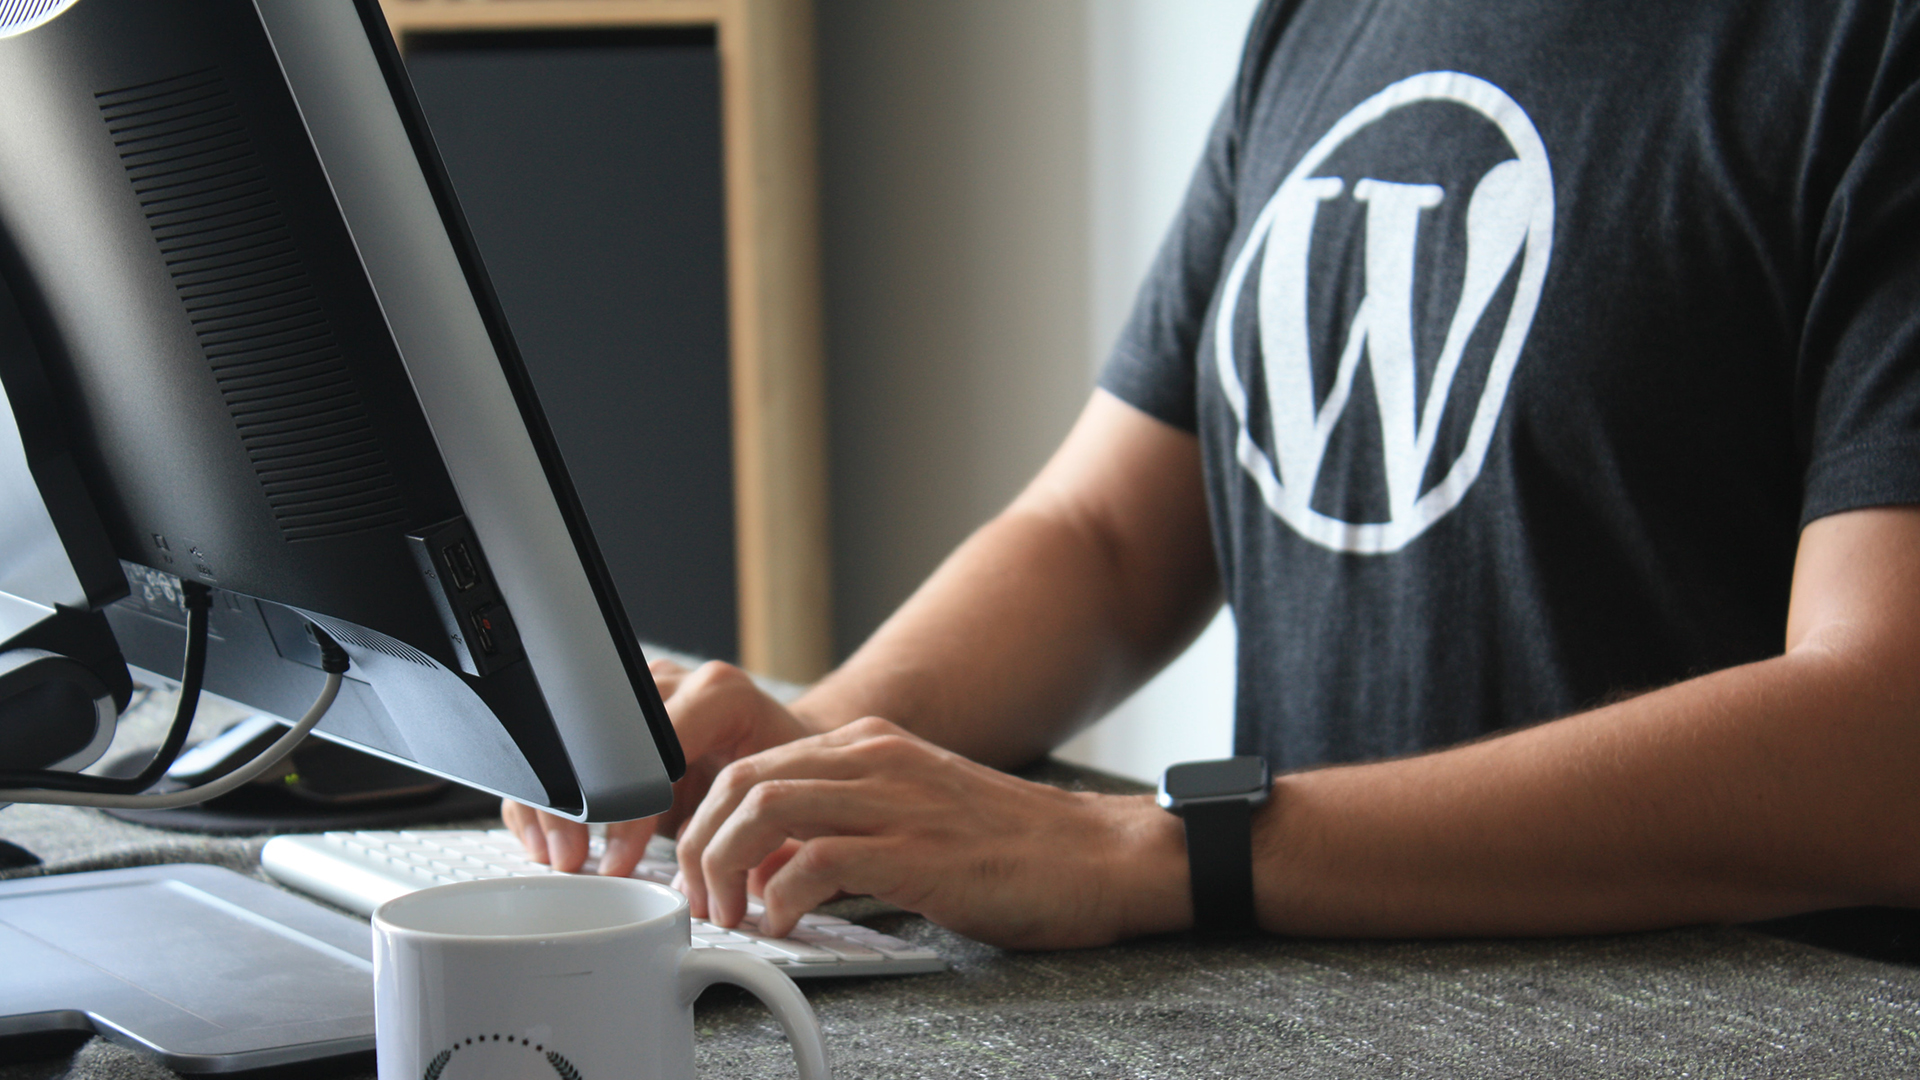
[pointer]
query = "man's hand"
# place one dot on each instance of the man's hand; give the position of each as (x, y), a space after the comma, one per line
(871, 809)
(719, 715)
(1046, 618)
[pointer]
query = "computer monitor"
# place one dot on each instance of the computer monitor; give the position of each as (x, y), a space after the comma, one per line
(246, 341)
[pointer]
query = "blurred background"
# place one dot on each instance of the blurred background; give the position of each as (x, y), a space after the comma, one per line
(996, 177)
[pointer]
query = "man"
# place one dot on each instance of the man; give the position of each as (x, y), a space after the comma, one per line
(1538, 381)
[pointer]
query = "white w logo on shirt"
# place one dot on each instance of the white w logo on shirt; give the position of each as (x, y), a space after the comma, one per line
(1509, 213)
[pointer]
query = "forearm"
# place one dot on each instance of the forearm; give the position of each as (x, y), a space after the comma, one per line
(1021, 636)
(1097, 574)
(1776, 787)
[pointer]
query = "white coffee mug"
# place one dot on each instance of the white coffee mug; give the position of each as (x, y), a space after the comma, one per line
(560, 977)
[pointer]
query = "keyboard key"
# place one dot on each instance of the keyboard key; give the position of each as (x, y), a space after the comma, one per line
(893, 947)
(751, 948)
(844, 948)
(799, 951)
(902, 951)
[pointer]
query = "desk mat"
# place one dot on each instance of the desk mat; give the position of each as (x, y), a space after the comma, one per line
(209, 971)
(1684, 1004)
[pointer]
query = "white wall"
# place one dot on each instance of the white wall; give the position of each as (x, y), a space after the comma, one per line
(997, 175)
(1158, 72)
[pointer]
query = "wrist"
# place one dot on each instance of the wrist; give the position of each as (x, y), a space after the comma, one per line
(837, 699)
(1215, 801)
(1148, 870)
(1287, 870)
(807, 714)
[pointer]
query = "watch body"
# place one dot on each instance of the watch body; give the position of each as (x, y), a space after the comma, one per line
(1216, 800)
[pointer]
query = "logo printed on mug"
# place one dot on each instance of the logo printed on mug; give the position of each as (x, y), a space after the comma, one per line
(562, 1068)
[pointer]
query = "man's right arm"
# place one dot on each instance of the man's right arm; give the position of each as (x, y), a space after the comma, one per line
(1054, 611)
(1047, 616)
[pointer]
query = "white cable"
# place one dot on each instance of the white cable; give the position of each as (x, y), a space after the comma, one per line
(267, 759)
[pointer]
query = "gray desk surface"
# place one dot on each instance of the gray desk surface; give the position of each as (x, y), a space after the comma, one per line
(1689, 1003)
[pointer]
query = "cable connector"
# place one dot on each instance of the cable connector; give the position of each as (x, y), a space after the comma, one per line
(195, 596)
(333, 659)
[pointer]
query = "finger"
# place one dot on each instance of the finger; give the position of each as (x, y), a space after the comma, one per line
(720, 715)
(826, 867)
(524, 822)
(845, 753)
(775, 813)
(687, 795)
(567, 843)
(806, 758)
(758, 877)
(626, 844)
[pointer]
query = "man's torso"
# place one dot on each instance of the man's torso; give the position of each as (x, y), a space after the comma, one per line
(1511, 374)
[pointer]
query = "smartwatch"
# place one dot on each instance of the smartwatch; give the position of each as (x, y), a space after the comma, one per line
(1216, 800)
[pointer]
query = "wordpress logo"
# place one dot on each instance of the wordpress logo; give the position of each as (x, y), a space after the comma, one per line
(1509, 219)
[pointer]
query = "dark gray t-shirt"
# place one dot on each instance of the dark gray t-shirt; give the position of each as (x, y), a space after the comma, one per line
(1522, 337)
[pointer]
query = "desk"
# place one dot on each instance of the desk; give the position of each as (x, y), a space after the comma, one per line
(1694, 1003)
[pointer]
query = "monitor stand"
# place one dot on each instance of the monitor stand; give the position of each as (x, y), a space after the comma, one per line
(322, 786)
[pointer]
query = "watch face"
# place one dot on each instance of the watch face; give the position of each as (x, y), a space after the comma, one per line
(1213, 779)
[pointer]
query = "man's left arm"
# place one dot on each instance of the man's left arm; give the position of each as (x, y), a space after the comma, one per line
(1779, 786)
(1775, 787)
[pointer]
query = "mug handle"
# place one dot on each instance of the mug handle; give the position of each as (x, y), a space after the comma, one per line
(701, 968)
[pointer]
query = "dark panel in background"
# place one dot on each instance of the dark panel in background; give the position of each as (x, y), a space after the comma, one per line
(589, 166)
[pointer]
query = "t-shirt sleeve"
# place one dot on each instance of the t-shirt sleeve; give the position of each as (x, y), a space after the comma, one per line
(1152, 365)
(1859, 397)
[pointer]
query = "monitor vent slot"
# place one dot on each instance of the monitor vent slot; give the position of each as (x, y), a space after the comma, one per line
(250, 301)
(17, 16)
(349, 634)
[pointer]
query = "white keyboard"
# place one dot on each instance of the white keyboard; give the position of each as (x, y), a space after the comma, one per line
(360, 871)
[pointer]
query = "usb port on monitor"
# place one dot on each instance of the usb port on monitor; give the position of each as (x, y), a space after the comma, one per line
(461, 569)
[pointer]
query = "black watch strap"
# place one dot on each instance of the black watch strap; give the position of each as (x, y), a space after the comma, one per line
(1220, 860)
